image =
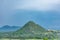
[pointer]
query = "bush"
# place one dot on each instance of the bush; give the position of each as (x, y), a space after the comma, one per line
(45, 38)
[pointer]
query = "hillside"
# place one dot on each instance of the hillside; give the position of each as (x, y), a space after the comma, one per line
(30, 30)
(31, 27)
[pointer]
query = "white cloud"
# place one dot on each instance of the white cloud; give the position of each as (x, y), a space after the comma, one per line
(38, 4)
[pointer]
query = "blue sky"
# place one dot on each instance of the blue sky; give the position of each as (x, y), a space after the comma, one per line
(17, 12)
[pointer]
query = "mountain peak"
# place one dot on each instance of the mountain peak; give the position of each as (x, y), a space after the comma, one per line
(31, 26)
(30, 22)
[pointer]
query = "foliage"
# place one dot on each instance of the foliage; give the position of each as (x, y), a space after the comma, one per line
(30, 31)
(45, 38)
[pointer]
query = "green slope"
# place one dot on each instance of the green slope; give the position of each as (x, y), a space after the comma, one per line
(31, 27)
(30, 30)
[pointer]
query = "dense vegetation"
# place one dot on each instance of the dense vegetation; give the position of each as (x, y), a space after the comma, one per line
(30, 31)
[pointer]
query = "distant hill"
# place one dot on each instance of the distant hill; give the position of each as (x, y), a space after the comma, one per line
(8, 28)
(30, 29)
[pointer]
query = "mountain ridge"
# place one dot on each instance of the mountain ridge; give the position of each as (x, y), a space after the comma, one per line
(8, 28)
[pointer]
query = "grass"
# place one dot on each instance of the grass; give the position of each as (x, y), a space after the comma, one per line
(26, 39)
(21, 39)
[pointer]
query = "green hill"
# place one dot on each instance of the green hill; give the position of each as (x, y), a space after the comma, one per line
(31, 27)
(30, 30)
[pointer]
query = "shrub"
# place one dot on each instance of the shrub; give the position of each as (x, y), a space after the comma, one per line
(45, 38)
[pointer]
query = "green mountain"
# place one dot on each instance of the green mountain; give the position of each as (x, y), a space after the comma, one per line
(30, 30)
(31, 27)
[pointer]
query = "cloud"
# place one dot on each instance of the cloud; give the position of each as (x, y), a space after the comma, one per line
(38, 4)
